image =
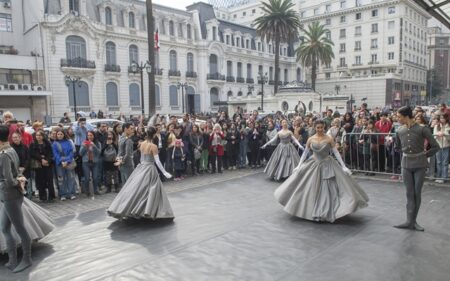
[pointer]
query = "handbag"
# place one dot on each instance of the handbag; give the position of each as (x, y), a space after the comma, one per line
(72, 165)
(197, 154)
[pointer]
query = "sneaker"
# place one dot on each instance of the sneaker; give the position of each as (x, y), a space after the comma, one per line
(73, 197)
(234, 167)
(439, 181)
(181, 178)
(63, 198)
(394, 177)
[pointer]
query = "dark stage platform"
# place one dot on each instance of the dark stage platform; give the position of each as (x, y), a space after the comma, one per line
(235, 230)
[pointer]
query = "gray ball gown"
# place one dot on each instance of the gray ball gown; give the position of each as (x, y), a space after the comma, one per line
(284, 159)
(36, 220)
(142, 196)
(320, 190)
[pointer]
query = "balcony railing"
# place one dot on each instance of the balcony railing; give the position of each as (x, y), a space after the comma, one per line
(230, 79)
(285, 83)
(77, 62)
(240, 79)
(250, 80)
(191, 74)
(215, 76)
(112, 68)
(174, 72)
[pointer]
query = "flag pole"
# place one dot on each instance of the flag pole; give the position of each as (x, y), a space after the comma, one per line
(151, 59)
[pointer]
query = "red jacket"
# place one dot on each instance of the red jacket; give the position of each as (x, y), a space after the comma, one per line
(218, 148)
(383, 128)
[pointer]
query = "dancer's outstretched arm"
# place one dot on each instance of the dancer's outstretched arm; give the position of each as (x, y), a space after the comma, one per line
(303, 158)
(297, 142)
(160, 166)
(339, 159)
(274, 139)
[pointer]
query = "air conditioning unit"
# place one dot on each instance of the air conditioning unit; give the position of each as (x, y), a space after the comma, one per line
(7, 5)
(13, 87)
(2, 87)
(26, 87)
(38, 88)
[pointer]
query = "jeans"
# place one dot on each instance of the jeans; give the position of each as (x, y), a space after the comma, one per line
(88, 169)
(204, 160)
(44, 182)
(242, 159)
(442, 163)
(125, 172)
(66, 181)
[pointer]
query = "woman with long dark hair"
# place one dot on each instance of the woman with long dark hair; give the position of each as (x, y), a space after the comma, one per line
(195, 147)
(320, 188)
(90, 154)
(143, 196)
(442, 134)
(42, 163)
(63, 151)
(110, 166)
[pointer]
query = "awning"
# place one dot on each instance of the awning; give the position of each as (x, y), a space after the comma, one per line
(439, 9)
(19, 93)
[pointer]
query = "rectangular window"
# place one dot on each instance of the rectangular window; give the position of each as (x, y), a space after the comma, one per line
(328, 22)
(342, 19)
(374, 13)
(259, 46)
(390, 55)
(358, 60)
(391, 40)
(244, 14)
(358, 3)
(357, 30)
(238, 42)
(328, 34)
(374, 58)
(342, 48)
(327, 76)
(358, 16)
(253, 11)
(316, 11)
(247, 44)
(328, 8)
(374, 44)
(180, 30)
(357, 45)
(5, 22)
(391, 24)
(374, 27)
(342, 62)
(342, 33)
(227, 39)
(343, 4)
(214, 35)
(391, 10)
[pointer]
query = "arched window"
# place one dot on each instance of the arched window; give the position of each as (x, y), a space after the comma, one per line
(173, 95)
(135, 97)
(239, 94)
(193, 100)
(190, 62)
(82, 92)
(299, 74)
(189, 31)
(271, 73)
(134, 54)
(239, 69)
(173, 60)
(163, 27)
(75, 47)
(131, 20)
(112, 97)
(110, 53)
(310, 106)
(157, 96)
(214, 96)
(213, 68)
(171, 29)
(108, 16)
(230, 94)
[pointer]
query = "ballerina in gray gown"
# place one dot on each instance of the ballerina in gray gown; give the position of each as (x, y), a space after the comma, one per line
(320, 189)
(285, 157)
(36, 220)
(142, 195)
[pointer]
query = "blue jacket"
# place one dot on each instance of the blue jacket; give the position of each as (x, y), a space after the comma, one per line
(81, 133)
(67, 151)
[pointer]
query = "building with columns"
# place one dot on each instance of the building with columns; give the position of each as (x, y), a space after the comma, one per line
(97, 41)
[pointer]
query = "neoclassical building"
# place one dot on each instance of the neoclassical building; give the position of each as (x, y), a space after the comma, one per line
(97, 41)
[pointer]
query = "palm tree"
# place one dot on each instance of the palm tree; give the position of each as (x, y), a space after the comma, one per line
(316, 48)
(279, 23)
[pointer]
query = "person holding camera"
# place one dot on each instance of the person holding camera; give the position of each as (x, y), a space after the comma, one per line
(90, 154)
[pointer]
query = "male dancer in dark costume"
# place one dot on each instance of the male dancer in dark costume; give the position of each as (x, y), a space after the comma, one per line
(411, 138)
(12, 198)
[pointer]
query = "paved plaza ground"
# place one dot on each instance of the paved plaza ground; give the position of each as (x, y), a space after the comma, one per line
(230, 228)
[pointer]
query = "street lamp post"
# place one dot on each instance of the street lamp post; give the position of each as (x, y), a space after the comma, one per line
(182, 85)
(263, 79)
(72, 80)
(135, 68)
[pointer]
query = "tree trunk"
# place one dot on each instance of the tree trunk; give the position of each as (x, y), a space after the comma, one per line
(313, 74)
(277, 63)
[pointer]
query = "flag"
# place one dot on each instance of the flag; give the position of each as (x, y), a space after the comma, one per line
(156, 38)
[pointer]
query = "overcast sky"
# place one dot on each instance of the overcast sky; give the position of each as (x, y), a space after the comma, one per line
(178, 4)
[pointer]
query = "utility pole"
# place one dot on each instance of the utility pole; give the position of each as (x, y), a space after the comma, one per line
(151, 59)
